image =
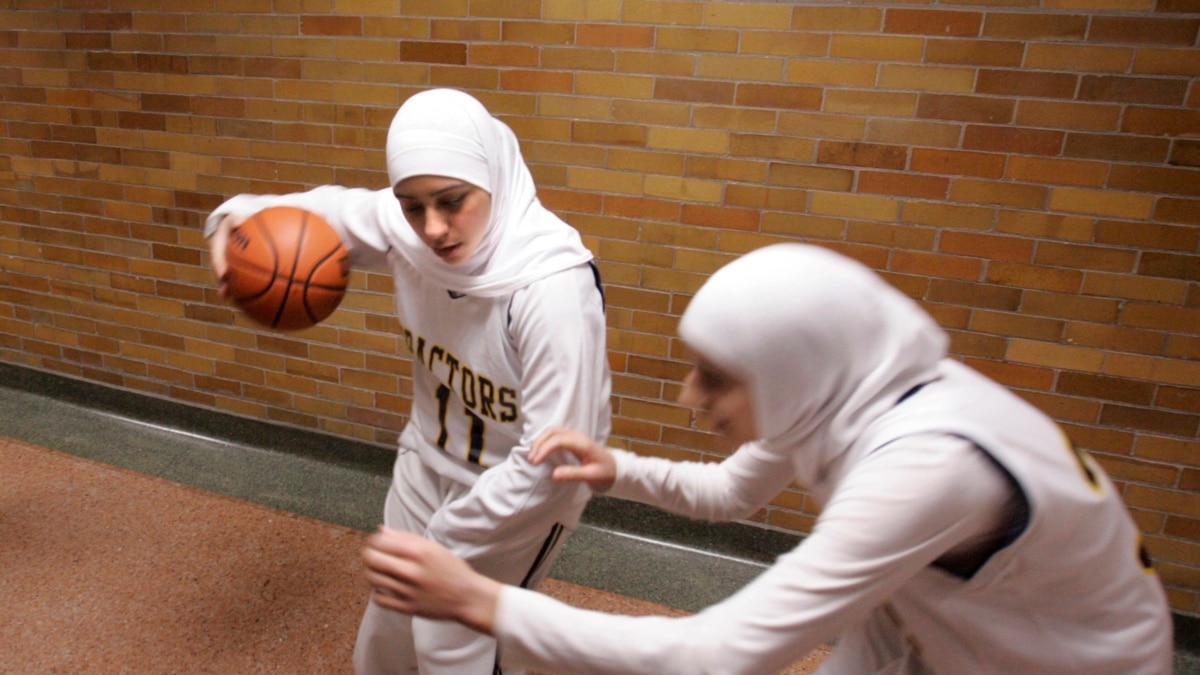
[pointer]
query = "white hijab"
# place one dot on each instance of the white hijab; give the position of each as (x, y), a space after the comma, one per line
(445, 132)
(824, 345)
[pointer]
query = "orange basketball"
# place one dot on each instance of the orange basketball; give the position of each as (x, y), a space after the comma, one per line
(287, 268)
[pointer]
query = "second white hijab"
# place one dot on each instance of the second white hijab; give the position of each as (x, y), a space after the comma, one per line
(824, 345)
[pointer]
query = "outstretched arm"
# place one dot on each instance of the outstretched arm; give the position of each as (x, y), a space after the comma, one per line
(732, 489)
(413, 575)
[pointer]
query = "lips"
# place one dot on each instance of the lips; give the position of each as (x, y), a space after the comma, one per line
(446, 251)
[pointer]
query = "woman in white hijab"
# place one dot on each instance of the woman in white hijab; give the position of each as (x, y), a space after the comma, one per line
(959, 532)
(502, 311)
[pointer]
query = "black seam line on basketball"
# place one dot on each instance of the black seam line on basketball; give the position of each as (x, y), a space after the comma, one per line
(308, 284)
(274, 271)
(287, 289)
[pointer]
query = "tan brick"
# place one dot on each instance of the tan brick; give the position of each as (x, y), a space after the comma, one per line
(689, 140)
(993, 192)
(608, 181)
(817, 125)
(725, 169)
(665, 12)
(781, 43)
(656, 63)
(1038, 277)
(912, 132)
(1067, 115)
(948, 216)
(926, 78)
(854, 102)
(1056, 171)
(1109, 337)
(1069, 306)
(684, 188)
(735, 119)
(803, 176)
(886, 48)
(1040, 224)
(1012, 324)
(1075, 57)
(854, 206)
(696, 39)
(1054, 355)
(1101, 202)
(644, 161)
(890, 235)
(592, 10)
(822, 18)
(826, 72)
(622, 86)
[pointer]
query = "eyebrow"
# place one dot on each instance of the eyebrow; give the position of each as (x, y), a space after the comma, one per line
(435, 193)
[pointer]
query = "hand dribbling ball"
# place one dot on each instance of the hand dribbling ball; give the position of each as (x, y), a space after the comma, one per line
(287, 268)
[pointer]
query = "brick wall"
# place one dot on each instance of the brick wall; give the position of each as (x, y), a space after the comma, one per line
(1028, 170)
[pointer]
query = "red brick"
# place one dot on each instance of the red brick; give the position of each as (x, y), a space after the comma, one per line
(958, 163)
(330, 25)
(1116, 147)
(1105, 388)
(720, 216)
(903, 184)
(1143, 30)
(1175, 210)
(1162, 121)
(695, 91)
(1022, 83)
(1182, 181)
(965, 108)
(1170, 265)
(975, 52)
(1035, 26)
(434, 52)
(1185, 153)
(1147, 90)
(932, 22)
(778, 96)
(1141, 235)
(1178, 398)
(936, 265)
(990, 246)
(862, 154)
(1012, 140)
(1146, 419)
(610, 35)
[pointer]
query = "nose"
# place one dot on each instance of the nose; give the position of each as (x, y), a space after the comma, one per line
(691, 394)
(435, 226)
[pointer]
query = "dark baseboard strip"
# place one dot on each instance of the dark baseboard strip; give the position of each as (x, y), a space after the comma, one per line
(205, 422)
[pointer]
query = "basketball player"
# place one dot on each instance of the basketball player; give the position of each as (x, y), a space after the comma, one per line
(959, 531)
(502, 311)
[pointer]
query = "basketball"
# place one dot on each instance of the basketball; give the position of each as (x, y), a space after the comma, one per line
(287, 268)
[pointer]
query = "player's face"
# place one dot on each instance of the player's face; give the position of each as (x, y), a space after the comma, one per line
(449, 215)
(724, 397)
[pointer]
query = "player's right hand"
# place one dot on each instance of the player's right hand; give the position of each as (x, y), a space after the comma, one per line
(597, 467)
(216, 248)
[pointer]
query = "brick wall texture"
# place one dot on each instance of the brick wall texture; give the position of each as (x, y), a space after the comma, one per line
(1029, 170)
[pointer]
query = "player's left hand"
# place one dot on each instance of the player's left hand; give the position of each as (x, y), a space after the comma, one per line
(413, 575)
